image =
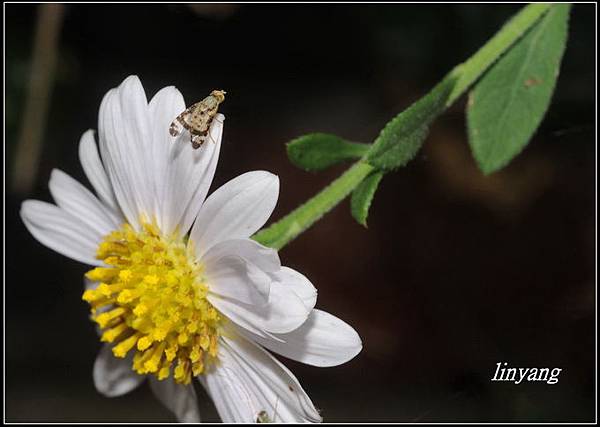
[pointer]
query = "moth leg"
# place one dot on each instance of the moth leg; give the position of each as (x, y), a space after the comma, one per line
(211, 139)
(210, 133)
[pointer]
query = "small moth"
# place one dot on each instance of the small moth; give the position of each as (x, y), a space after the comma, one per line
(198, 118)
(263, 417)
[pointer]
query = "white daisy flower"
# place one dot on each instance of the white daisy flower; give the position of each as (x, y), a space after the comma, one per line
(179, 290)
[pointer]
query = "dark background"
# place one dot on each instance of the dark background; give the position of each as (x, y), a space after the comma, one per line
(456, 271)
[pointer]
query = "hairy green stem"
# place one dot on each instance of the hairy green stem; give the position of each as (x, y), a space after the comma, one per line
(286, 229)
(469, 71)
(464, 75)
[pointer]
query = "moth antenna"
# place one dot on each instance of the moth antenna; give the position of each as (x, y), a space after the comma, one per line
(209, 131)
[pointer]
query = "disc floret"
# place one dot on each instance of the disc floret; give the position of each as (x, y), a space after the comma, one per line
(152, 299)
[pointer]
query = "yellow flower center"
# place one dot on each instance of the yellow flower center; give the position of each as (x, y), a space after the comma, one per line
(152, 297)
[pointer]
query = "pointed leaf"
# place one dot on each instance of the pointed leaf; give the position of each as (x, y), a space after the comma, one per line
(510, 101)
(402, 137)
(362, 197)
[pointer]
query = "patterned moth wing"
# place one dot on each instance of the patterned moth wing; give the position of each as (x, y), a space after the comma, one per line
(198, 118)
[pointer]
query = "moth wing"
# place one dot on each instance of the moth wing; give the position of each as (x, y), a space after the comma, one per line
(198, 140)
(183, 121)
(175, 128)
(179, 123)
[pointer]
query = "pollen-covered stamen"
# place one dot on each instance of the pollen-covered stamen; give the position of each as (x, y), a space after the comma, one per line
(152, 300)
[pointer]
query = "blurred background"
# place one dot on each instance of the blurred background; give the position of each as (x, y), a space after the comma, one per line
(456, 272)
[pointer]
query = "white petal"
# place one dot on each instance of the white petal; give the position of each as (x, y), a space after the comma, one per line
(188, 173)
(121, 183)
(114, 376)
(163, 108)
(238, 269)
(136, 128)
(284, 311)
(236, 210)
(263, 257)
(245, 315)
(201, 173)
(233, 277)
(60, 231)
(323, 340)
(301, 286)
(229, 394)
(77, 200)
(249, 380)
(124, 131)
(287, 310)
(94, 170)
(179, 399)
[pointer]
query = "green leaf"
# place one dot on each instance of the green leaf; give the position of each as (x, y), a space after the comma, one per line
(362, 197)
(318, 151)
(469, 71)
(402, 137)
(510, 101)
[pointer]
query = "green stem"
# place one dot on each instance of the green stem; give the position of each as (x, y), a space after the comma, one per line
(462, 76)
(286, 229)
(469, 71)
